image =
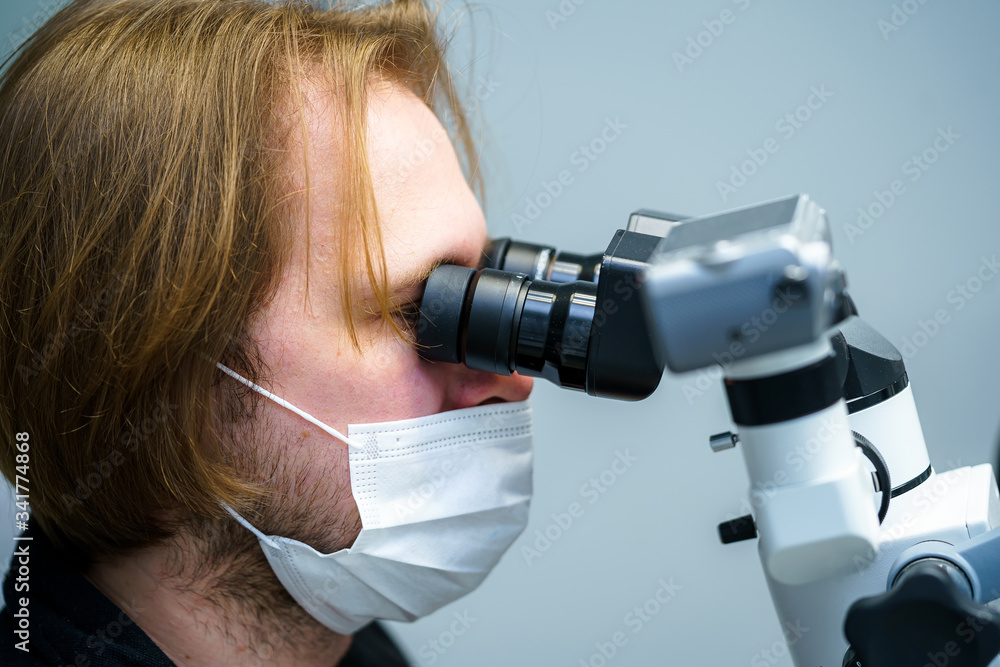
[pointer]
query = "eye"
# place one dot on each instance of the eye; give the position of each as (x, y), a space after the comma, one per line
(408, 317)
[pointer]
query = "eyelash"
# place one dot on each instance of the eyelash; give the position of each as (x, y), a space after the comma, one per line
(409, 316)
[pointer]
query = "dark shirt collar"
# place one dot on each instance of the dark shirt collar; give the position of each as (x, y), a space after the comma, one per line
(72, 623)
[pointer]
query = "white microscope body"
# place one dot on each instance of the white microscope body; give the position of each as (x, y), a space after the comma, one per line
(888, 563)
(852, 521)
(949, 507)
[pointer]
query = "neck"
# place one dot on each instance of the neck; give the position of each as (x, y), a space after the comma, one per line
(215, 601)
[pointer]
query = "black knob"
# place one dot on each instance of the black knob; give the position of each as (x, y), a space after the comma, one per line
(738, 529)
(927, 618)
(851, 659)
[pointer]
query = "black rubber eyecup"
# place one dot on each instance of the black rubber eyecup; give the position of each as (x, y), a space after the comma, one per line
(441, 313)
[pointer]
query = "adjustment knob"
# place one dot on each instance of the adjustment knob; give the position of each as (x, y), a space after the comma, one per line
(738, 529)
(928, 617)
(723, 441)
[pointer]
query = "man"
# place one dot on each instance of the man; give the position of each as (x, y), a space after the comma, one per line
(266, 186)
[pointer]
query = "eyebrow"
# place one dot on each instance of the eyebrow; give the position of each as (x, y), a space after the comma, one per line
(401, 287)
(410, 281)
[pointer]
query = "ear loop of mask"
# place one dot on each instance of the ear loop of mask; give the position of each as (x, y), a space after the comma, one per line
(285, 404)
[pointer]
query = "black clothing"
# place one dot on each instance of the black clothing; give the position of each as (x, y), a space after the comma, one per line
(70, 622)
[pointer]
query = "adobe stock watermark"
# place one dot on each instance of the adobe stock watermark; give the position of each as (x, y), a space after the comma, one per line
(432, 650)
(446, 467)
(914, 167)
(99, 642)
(764, 490)
(786, 126)
(266, 644)
(46, 10)
(130, 440)
(423, 149)
(85, 313)
(923, 498)
(750, 332)
(550, 190)
(792, 633)
(578, 332)
(703, 40)
(562, 522)
(898, 17)
(964, 634)
(957, 298)
(562, 12)
(436, 478)
(483, 88)
(635, 620)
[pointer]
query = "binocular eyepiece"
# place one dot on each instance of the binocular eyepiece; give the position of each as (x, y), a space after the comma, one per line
(575, 320)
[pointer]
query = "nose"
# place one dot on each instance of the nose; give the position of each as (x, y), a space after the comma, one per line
(467, 388)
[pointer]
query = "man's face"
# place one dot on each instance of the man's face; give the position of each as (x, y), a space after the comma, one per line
(428, 215)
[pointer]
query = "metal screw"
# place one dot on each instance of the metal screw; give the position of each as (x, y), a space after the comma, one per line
(722, 441)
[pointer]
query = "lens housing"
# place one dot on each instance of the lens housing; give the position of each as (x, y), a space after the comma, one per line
(580, 334)
(553, 338)
(540, 262)
(502, 322)
(489, 337)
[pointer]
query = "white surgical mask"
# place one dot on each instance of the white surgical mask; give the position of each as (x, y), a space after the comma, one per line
(441, 498)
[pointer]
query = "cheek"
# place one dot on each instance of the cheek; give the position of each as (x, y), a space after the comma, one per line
(397, 384)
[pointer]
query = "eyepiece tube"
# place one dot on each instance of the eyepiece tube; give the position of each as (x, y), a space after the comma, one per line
(491, 320)
(502, 322)
(588, 334)
(441, 313)
(553, 336)
(540, 262)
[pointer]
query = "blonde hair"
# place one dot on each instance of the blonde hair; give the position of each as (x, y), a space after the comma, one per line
(143, 223)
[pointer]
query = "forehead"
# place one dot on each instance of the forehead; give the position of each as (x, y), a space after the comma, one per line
(427, 211)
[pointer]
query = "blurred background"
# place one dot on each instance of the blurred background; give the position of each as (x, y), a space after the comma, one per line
(670, 106)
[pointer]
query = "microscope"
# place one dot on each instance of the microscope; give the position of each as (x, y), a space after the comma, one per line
(889, 562)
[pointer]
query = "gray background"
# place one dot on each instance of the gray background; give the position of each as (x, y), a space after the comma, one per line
(554, 87)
